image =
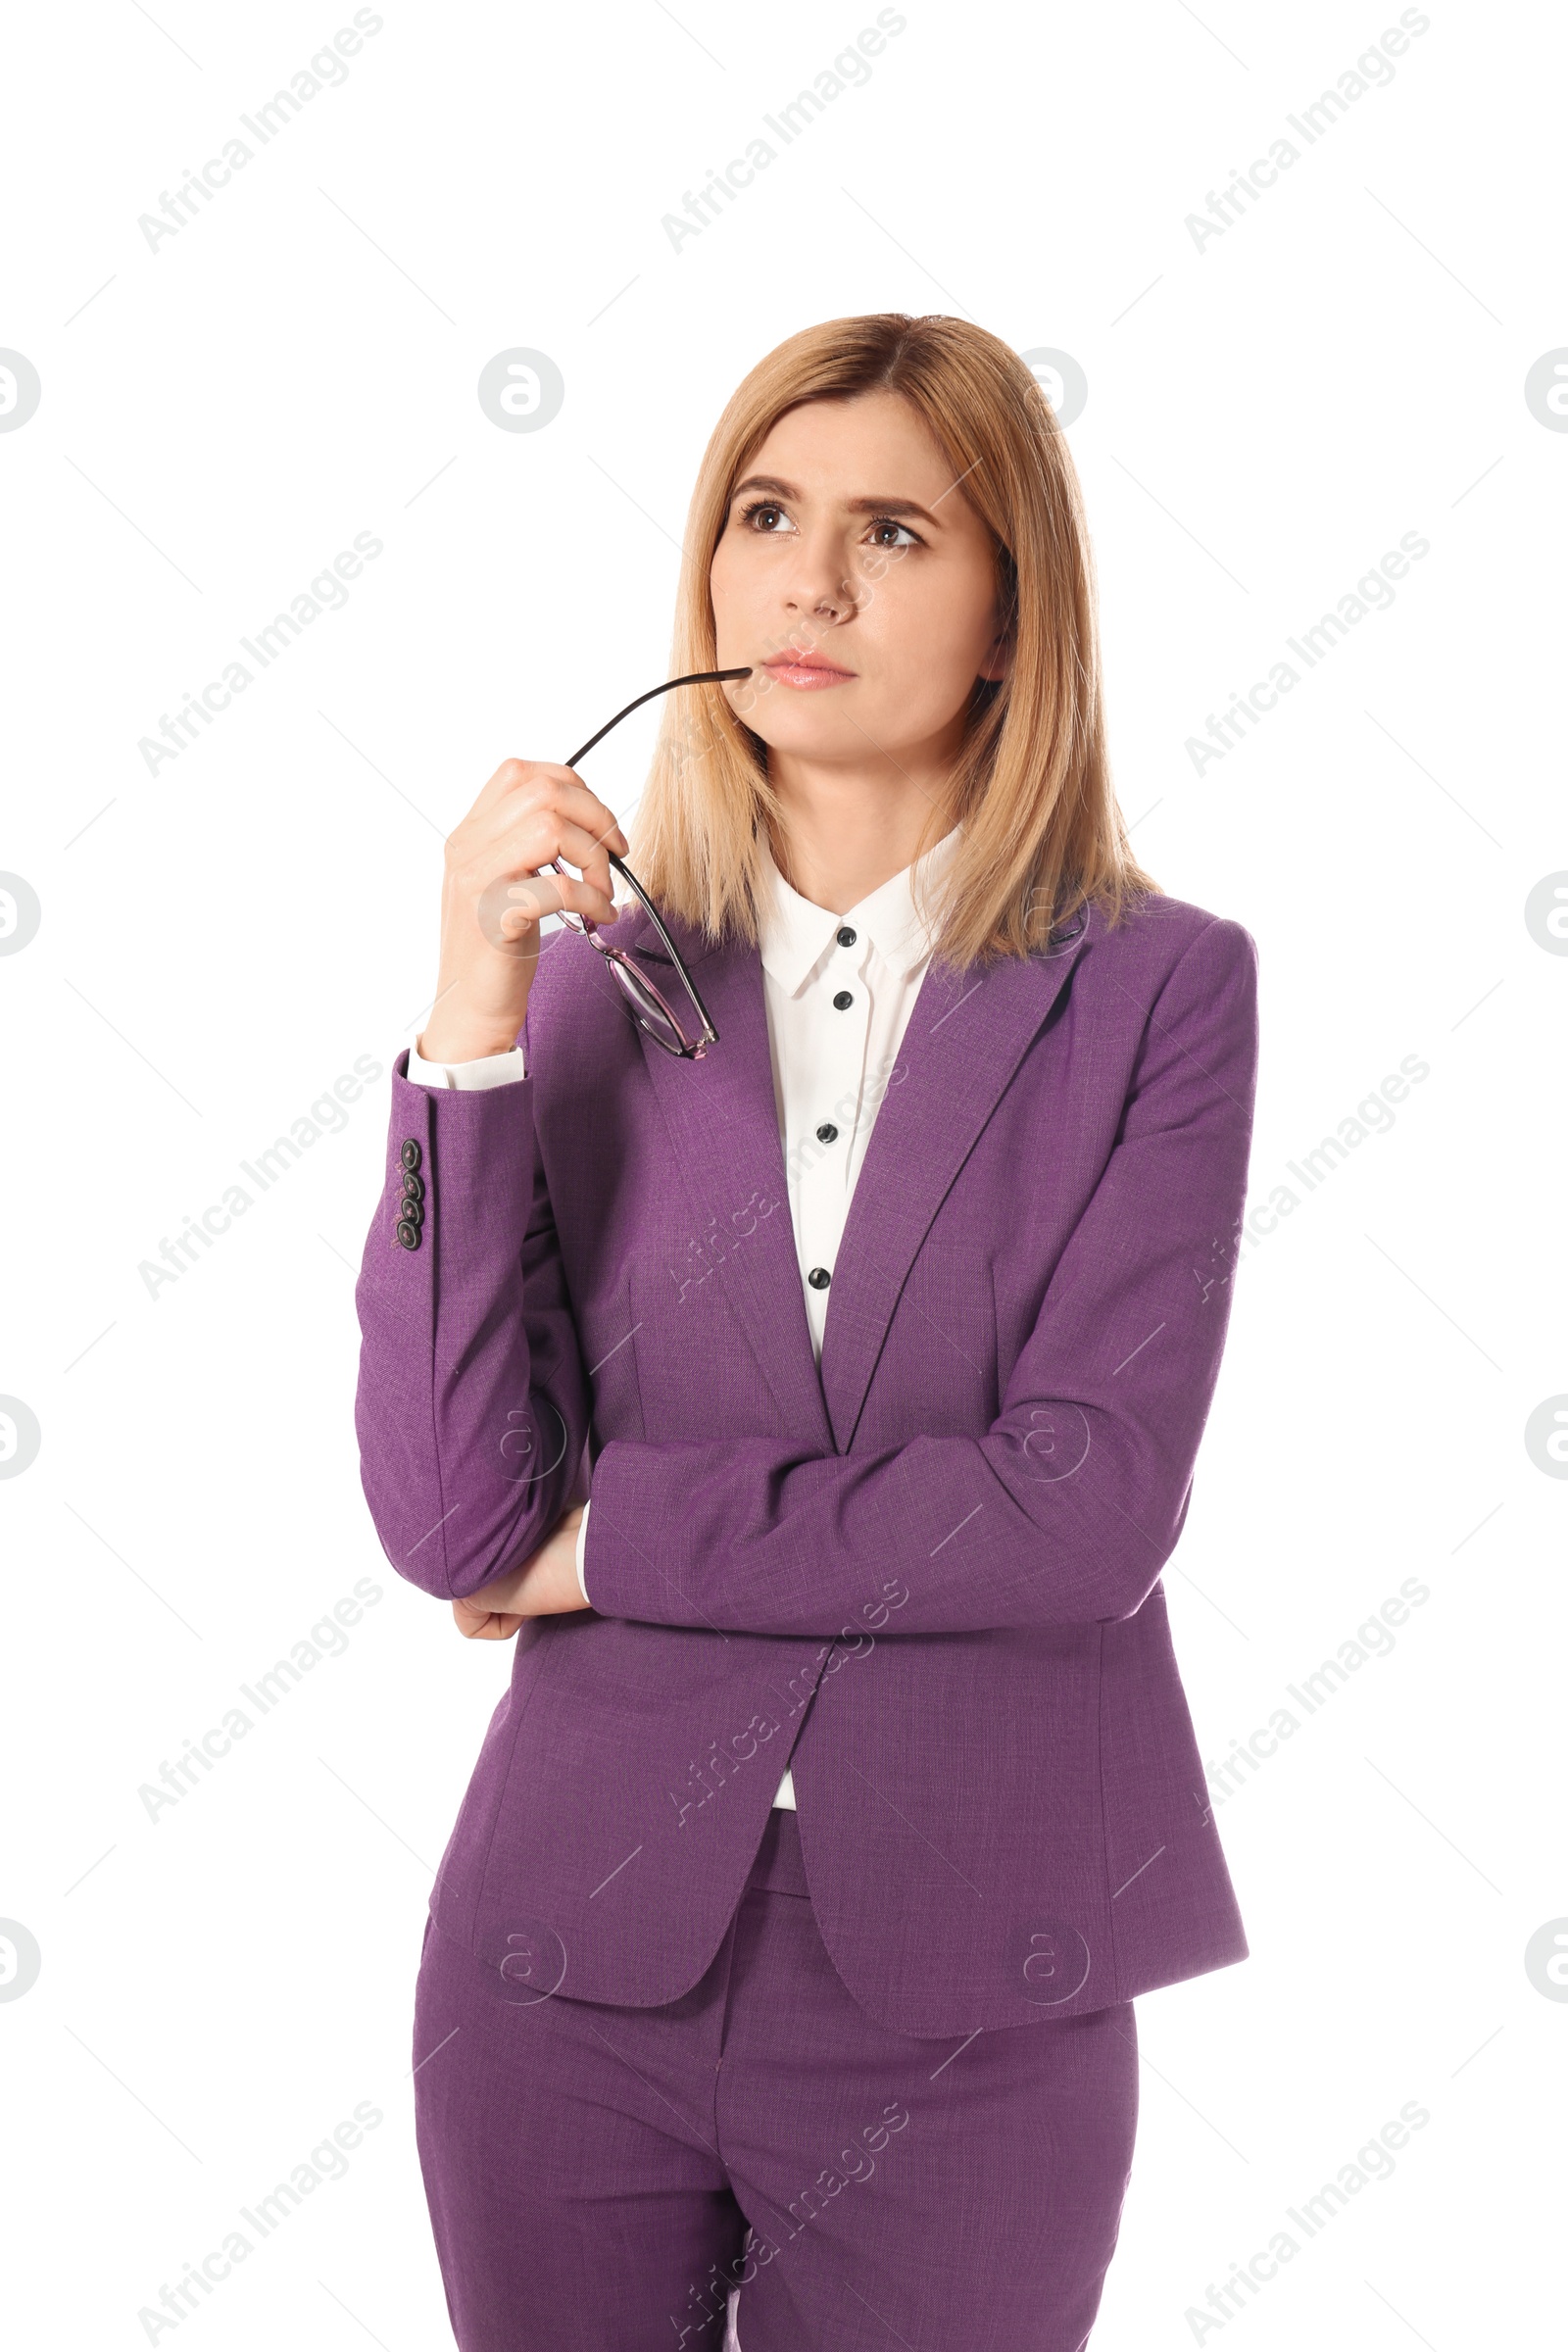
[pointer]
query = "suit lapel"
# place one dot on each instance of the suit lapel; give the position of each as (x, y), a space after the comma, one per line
(722, 1122)
(966, 1036)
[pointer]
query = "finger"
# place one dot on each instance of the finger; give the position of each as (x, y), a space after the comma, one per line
(519, 905)
(574, 842)
(499, 1626)
(568, 794)
(595, 815)
(517, 850)
(512, 776)
(583, 897)
(551, 838)
(581, 849)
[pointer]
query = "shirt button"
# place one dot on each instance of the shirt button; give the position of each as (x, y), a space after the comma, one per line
(842, 1000)
(827, 1133)
(819, 1278)
(847, 937)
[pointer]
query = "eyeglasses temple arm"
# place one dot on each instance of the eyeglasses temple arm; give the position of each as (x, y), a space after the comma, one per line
(697, 677)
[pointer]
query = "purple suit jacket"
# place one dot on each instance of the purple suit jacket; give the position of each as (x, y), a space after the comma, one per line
(927, 1575)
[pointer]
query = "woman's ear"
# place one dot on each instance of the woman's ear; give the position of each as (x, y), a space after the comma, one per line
(999, 660)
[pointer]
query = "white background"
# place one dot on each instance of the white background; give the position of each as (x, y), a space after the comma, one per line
(1266, 416)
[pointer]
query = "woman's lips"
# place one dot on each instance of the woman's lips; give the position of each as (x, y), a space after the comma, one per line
(808, 676)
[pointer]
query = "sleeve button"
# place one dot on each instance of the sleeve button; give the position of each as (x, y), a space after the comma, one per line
(411, 1154)
(408, 1234)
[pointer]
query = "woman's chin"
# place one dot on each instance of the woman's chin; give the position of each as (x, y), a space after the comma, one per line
(816, 733)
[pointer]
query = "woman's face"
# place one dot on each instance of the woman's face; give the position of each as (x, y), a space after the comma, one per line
(849, 541)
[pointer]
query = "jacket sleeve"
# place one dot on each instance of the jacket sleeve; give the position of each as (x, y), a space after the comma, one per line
(1068, 1507)
(473, 1405)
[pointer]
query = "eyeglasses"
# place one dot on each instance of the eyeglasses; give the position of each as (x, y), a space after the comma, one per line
(675, 1030)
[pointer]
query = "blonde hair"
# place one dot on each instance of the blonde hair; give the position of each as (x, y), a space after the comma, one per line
(1043, 833)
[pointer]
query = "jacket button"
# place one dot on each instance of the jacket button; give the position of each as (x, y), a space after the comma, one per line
(819, 1278)
(847, 937)
(410, 1212)
(827, 1133)
(411, 1154)
(408, 1234)
(412, 1186)
(842, 1000)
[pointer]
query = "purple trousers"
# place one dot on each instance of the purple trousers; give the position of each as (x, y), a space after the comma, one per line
(602, 2178)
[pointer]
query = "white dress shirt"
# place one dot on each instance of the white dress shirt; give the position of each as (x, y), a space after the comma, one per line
(833, 1061)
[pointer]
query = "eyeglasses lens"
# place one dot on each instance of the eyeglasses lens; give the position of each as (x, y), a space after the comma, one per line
(648, 1008)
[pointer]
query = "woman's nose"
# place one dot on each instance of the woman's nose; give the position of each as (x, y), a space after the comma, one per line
(819, 577)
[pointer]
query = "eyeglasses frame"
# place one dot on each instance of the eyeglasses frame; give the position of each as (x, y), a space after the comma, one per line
(688, 1050)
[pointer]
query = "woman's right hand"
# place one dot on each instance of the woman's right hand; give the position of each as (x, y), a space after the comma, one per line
(492, 898)
(545, 1583)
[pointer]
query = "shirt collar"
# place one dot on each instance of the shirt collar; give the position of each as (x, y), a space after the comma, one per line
(796, 934)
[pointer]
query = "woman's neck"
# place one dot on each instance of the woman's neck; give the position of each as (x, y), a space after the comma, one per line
(843, 839)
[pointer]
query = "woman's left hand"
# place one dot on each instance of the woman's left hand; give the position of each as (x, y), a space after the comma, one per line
(545, 1585)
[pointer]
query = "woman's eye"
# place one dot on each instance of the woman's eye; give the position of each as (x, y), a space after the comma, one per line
(767, 517)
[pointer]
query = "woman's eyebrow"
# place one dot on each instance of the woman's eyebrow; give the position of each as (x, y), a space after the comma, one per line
(855, 505)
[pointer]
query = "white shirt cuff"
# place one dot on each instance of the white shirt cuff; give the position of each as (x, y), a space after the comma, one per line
(582, 1545)
(491, 1069)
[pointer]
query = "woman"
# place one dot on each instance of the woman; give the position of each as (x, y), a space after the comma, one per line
(845, 1794)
